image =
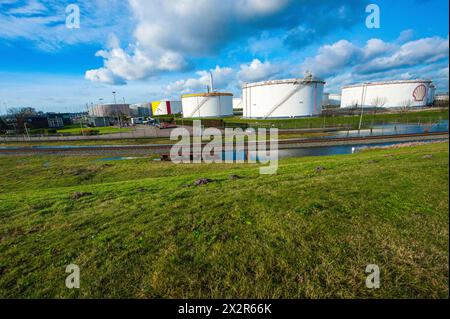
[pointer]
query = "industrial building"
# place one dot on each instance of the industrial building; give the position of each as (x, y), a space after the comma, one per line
(110, 110)
(330, 99)
(101, 121)
(140, 110)
(404, 93)
(166, 107)
(442, 97)
(283, 98)
(213, 104)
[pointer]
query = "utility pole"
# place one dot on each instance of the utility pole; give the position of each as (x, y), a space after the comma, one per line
(101, 104)
(26, 130)
(115, 104)
(362, 108)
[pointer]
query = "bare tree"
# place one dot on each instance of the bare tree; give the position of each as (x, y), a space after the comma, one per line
(21, 115)
(405, 105)
(379, 102)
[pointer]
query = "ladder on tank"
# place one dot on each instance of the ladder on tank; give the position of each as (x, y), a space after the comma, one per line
(199, 106)
(299, 86)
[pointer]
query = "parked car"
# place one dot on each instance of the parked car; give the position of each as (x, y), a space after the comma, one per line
(165, 125)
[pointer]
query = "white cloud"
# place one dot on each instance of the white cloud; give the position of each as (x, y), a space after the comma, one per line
(426, 50)
(103, 75)
(257, 71)
(31, 8)
(343, 62)
(168, 34)
(405, 35)
(224, 79)
(331, 58)
(136, 66)
(376, 56)
(42, 23)
(375, 47)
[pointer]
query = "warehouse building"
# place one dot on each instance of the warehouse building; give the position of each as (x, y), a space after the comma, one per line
(140, 110)
(110, 110)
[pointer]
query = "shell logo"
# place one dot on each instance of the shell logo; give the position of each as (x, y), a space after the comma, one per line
(419, 93)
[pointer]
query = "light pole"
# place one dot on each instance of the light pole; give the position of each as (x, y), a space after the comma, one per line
(26, 130)
(101, 104)
(115, 104)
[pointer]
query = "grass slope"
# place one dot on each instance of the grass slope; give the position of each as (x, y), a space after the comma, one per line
(428, 116)
(298, 234)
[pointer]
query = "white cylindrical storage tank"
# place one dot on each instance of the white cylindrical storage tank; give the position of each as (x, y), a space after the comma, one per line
(237, 103)
(283, 98)
(407, 93)
(334, 99)
(215, 104)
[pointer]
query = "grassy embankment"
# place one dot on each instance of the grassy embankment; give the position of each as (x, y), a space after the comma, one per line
(352, 122)
(76, 130)
(138, 141)
(140, 232)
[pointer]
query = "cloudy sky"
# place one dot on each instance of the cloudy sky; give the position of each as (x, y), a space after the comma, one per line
(152, 49)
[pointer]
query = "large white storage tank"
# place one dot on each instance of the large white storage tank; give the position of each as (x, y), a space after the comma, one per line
(215, 104)
(237, 103)
(166, 107)
(405, 93)
(283, 98)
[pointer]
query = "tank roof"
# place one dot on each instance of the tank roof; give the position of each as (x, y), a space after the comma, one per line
(206, 94)
(387, 82)
(285, 81)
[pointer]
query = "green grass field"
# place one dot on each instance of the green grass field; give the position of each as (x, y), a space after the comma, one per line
(303, 233)
(428, 116)
(76, 130)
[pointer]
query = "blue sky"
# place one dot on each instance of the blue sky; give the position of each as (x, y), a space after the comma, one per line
(152, 49)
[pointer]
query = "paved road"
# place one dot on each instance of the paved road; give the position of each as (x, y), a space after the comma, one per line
(140, 131)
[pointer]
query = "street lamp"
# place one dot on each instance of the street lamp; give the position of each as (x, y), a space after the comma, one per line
(115, 104)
